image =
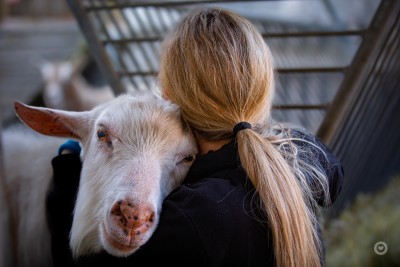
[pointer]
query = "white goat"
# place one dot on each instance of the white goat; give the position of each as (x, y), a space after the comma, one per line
(66, 89)
(135, 151)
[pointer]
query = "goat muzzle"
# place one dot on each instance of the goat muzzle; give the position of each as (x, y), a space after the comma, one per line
(128, 224)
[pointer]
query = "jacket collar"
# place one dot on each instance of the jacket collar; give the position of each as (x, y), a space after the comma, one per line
(210, 164)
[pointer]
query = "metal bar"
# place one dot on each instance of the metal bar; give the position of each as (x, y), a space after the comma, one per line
(136, 73)
(133, 40)
(109, 5)
(306, 70)
(265, 35)
(313, 34)
(96, 47)
(357, 72)
(301, 107)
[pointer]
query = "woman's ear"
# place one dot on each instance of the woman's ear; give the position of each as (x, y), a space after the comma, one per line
(165, 95)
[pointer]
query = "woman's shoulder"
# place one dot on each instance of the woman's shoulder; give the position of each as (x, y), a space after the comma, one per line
(219, 190)
(219, 212)
(206, 195)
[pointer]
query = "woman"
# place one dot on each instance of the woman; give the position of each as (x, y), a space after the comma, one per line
(252, 195)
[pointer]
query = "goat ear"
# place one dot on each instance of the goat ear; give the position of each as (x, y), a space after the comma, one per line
(53, 122)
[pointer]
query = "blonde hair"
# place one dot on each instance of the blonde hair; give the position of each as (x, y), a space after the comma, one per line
(218, 69)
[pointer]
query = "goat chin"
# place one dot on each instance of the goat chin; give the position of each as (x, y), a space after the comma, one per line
(126, 247)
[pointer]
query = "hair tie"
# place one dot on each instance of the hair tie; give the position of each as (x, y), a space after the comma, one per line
(241, 126)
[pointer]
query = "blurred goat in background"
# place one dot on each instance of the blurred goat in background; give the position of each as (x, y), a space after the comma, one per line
(65, 87)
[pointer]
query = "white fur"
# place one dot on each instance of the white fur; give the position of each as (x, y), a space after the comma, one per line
(144, 164)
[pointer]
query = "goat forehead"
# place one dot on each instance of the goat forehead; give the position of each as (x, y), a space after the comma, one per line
(141, 117)
(139, 125)
(125, 107)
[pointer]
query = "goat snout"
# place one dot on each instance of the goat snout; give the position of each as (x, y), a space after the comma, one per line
(131, 219)
(127, 227)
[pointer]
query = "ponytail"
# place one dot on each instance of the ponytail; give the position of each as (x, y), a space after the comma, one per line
(291, 220)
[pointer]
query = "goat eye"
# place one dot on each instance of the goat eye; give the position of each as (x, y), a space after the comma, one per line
(103, 136)
(189, 158)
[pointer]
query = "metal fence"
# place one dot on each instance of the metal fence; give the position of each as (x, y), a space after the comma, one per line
(125, 38)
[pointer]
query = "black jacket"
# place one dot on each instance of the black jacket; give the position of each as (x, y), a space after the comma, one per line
(208, 221)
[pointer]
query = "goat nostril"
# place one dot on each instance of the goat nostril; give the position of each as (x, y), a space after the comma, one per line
(152, 216)
(118, 215)
(130, 218)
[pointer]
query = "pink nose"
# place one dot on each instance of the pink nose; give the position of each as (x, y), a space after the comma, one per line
(132, 220)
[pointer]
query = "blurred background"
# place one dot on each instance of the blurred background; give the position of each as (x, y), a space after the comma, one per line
(337, 65)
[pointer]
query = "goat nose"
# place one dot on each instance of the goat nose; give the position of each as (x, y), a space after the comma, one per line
(134, 219)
